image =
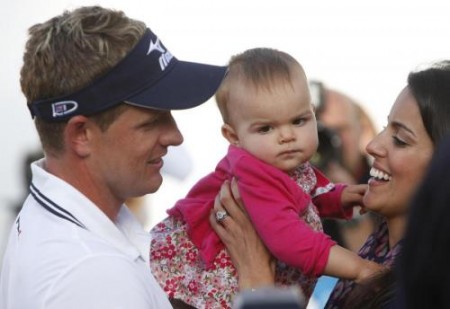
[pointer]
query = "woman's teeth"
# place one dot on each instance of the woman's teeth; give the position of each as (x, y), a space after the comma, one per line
(379, 174)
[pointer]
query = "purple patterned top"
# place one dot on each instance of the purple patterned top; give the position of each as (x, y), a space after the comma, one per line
(376, 249)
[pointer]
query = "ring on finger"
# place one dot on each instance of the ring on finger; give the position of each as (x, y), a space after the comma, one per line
(221, 215)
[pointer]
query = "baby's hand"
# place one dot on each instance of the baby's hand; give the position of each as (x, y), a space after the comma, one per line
(352, 195)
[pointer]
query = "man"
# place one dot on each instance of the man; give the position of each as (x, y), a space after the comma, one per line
(100, 87)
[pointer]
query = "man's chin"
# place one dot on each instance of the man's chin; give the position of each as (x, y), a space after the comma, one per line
(155, 184)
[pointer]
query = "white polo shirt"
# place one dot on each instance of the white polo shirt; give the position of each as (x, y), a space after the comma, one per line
(64, 253)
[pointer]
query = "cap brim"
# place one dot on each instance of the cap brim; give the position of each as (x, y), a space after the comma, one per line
(188, 84)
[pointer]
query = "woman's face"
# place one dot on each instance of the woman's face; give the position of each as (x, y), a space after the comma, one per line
(401, 154)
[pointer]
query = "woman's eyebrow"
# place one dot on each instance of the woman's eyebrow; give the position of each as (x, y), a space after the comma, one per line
(403, 126)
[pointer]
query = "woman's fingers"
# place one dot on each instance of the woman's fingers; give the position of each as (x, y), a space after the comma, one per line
(235, 193)
(230, 201)
(219, 225)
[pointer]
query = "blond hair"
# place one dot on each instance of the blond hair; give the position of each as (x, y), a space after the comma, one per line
(67, 52)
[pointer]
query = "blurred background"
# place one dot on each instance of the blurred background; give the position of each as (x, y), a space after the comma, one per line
(364, 49)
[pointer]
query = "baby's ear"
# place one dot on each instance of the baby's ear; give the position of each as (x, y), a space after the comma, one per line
(230, 134)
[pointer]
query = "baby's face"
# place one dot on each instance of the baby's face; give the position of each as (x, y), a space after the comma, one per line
(278, 125)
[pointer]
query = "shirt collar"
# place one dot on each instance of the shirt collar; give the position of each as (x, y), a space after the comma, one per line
(126, 234)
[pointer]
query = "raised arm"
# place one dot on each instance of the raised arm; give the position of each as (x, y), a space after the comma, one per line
(345, 264)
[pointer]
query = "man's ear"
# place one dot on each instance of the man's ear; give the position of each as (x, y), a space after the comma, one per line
(230, 134)
(78, 135)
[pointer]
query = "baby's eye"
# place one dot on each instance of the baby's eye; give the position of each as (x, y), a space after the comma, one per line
(264, 129)
(298, 121)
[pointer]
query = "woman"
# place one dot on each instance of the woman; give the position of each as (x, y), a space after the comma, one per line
(418, 120)
(419, 279)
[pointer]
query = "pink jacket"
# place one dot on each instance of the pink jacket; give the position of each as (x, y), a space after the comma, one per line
(274, 203)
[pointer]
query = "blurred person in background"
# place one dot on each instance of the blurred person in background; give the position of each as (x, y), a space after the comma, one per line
(346, 117)
(345, 129)
(349, 124)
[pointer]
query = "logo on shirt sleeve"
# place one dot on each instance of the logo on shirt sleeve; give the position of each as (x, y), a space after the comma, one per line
(19, 230)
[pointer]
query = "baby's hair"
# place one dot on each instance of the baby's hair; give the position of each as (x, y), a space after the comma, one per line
(257, 68)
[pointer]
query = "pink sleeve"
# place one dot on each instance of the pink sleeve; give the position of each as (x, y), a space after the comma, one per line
(274, 203)
(195, 208)
(327, 198)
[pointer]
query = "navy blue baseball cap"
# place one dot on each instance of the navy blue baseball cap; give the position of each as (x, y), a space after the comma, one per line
(149, 76)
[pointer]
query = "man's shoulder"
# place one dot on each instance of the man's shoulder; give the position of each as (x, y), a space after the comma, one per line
(53, 245)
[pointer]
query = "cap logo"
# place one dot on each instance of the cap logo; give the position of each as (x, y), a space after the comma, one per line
(165, 57)
(63, 108)
(155, 46)
(164, 60)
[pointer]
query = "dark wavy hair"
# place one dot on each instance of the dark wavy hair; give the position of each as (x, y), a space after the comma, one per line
(431, 89)
(376, 292)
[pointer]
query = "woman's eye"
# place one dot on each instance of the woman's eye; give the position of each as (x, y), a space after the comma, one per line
(399, 142)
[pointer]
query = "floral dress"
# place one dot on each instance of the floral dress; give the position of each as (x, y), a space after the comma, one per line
(376, 249)
(177, 266)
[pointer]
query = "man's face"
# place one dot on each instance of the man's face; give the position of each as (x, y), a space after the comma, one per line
(127, 157)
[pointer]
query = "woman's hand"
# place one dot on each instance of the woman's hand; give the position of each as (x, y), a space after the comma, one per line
(253, 262)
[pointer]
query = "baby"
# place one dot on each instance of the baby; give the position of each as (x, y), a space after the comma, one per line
(270, 124)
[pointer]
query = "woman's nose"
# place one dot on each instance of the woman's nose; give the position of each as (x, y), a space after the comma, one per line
(375, 147)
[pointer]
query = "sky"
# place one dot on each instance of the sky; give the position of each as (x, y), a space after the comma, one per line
(363, 48)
